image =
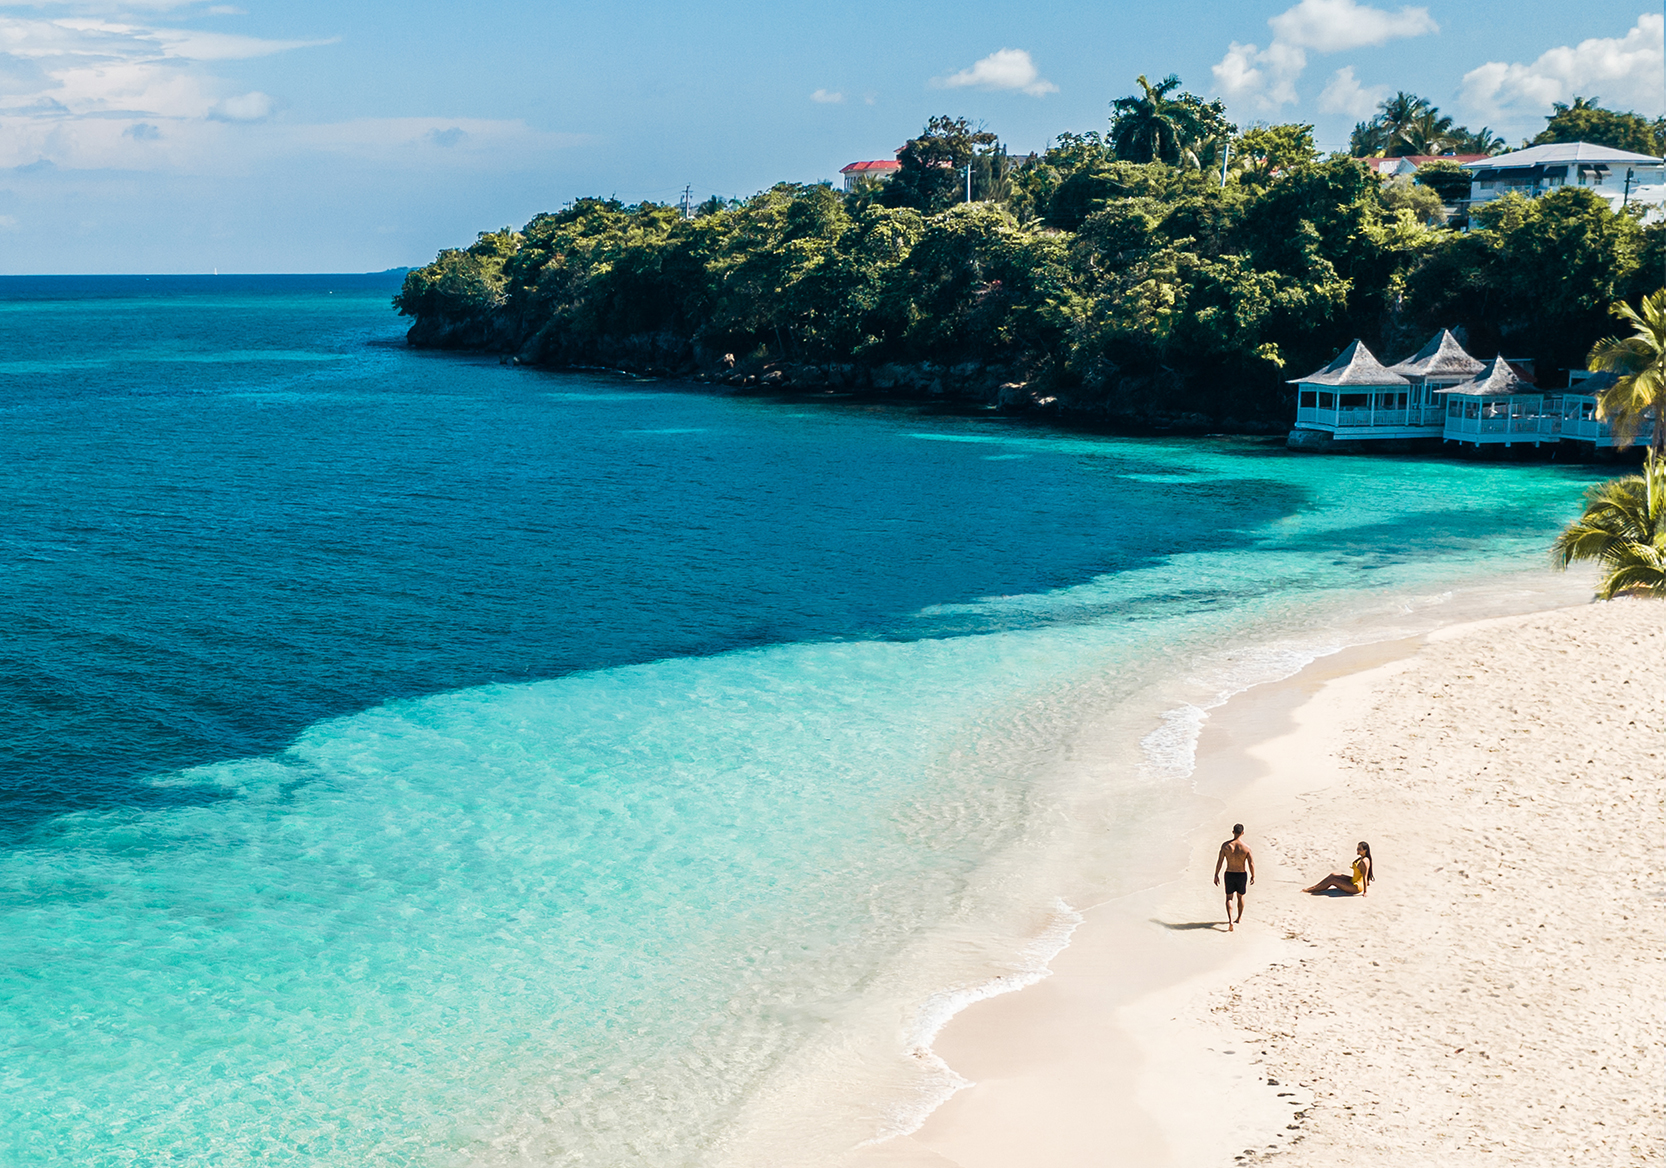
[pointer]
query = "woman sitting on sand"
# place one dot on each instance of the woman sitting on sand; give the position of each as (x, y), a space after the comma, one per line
(1343, 882)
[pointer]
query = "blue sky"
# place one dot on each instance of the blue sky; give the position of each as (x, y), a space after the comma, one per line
(160, 136)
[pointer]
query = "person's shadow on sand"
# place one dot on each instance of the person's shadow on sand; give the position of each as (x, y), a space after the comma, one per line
(1182, 925)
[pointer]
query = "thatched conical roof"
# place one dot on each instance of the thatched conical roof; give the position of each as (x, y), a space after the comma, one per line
(1495, 379)
(1353, 366)
(1441, 357)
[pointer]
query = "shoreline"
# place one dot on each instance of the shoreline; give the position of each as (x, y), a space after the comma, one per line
(1058, 1065)
(1094, 1064)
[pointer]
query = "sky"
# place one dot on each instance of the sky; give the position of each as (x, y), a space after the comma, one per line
(157, 136)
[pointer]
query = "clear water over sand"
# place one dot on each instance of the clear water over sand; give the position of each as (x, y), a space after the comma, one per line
(412, 760)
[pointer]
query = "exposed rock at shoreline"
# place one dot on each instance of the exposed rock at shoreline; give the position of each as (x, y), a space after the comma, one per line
(1005, 387)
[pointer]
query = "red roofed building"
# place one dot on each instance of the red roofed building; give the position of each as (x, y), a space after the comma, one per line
(875, 170)
(1408, 164)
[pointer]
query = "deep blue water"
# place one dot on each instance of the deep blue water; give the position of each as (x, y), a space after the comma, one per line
(411, 759)
(239, 506)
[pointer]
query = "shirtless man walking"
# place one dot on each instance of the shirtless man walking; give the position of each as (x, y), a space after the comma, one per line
(1235, 854)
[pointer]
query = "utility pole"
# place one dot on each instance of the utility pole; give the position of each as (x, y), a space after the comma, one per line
(1225, 158)
(688, 201)
(1626, 201)
(968, 182)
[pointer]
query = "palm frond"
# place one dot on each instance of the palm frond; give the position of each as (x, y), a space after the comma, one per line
(1623, 529)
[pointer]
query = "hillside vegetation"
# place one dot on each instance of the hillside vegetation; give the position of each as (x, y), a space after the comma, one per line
(1114, 274)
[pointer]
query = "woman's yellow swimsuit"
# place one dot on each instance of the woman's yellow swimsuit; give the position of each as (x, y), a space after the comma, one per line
(1360, 871)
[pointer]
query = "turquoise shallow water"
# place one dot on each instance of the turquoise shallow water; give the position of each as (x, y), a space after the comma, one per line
(418, 761)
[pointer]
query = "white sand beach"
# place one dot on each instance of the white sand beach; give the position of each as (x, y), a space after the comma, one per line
(1498, 998)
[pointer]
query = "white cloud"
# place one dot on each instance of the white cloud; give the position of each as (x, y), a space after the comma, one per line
(77, 68)
(1266, 78)
(246, 107)
(1333, 26)
(1627, 72)
(1343, 94)
(1002, 69)
(114, 92)
(828, 97)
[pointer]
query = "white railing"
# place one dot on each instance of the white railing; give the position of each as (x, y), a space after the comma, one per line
(1365, 417)
(1591, 430)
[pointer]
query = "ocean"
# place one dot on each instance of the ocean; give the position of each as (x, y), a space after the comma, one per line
(413, 760)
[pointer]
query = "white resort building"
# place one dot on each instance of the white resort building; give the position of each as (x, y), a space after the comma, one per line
(1442, 393)
(1623, 178)
(881, 170)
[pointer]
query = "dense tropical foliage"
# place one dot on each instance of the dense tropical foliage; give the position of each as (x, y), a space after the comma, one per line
(1173, 265)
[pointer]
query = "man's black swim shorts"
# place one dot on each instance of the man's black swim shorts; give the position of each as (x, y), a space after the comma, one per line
(1237, 882)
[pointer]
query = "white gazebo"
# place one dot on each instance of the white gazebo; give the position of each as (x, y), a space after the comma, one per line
(1497, 407)
(1356, 397)
(1438, 365)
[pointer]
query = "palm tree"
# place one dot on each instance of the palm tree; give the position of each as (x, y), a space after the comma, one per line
(1638, 395)
(1624, 530)
(1400, 111)
(1427, 132)
(1151, 126)
(1482, 141)
(1368, 140)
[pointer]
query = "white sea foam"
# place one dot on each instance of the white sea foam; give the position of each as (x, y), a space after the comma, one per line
(1033, 963)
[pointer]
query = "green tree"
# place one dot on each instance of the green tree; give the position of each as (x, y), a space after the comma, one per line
(1535, 276)
(461, 283)
(1152, 126)
(1422, 203)
(1265, 152)
(1638, 395)
(979, 285)
(1449, 181)
(760, 264)
(1624, 530)
(1586, 121)
(933, 165)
